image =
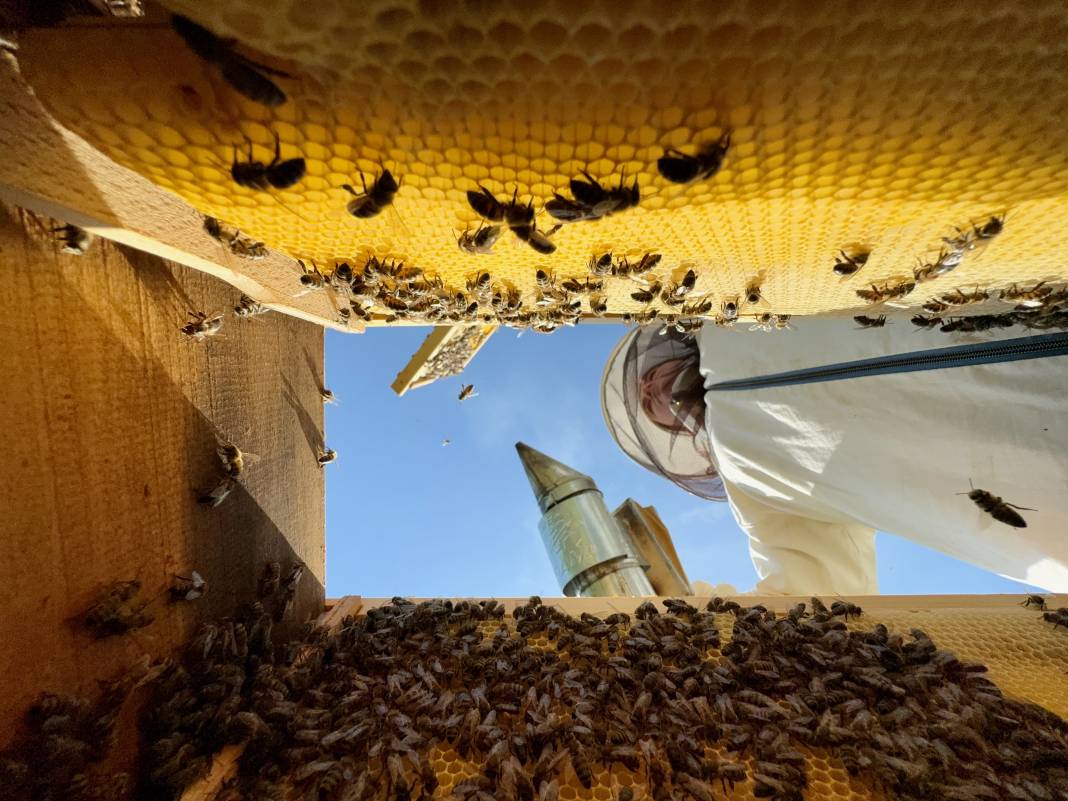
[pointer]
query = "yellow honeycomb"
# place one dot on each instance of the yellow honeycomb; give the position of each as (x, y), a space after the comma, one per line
(874, 125)
(1026, 659)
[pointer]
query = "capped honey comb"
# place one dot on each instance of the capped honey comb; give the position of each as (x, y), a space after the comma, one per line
(867, 126)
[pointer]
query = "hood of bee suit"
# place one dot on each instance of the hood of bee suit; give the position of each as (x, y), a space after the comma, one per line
(652, 398)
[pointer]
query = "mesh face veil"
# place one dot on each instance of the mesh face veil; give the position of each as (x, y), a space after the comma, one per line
(652, 398)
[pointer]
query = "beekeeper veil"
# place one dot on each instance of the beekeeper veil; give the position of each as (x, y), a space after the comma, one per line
(653, 400)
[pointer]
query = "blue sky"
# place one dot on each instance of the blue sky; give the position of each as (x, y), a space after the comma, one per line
(406, 516)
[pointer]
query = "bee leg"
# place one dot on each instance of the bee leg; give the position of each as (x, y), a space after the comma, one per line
(1021, 508)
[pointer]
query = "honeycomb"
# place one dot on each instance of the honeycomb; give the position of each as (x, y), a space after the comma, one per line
(444, 353)
(1026, 658)
(876, 126)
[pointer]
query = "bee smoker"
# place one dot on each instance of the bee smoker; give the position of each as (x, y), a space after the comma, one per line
(590, 554)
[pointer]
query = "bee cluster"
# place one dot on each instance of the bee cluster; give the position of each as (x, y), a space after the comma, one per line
(546, 700)
(1042, 307)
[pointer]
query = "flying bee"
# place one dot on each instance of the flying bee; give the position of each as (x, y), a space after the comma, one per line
(601, 265)
(217, 494)
(188, 589)
(481, 240)
(247, 307)
(73, 240)
(887, 292)
(728, 309)
(848, 265)
(326, 456)
(863, 321)
(244, 75)
(467, 391)
(598, 305)
(257, 175)
(681, 168)
(999, 509)
(371, 202)
(202, 326)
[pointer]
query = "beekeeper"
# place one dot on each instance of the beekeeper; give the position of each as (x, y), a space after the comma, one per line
(821, 436)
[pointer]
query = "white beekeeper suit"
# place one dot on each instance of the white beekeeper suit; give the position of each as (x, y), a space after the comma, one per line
(813, 469)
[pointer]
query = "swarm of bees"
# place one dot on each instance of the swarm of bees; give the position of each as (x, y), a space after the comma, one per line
(543, 700)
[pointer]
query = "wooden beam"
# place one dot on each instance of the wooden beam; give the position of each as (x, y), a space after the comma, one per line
(50, 170)
(445, 352)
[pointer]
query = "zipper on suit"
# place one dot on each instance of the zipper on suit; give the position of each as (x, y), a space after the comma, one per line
(1005, 350)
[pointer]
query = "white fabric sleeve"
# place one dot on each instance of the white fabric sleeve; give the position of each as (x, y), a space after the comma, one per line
(803, 556)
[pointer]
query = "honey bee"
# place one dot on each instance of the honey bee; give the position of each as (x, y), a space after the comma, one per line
(947, 261)
(202, 326)
(371, 202)
(990, 228)
(518, 216)
(1028, 298)
(845, 609)
(863, 321)
(676, 292)
(681, 168)
(279, 174)
(327, 395)
(765, 321)
(936, 306)
(592, 201)
(782, 322)
(545, 281)
(999, 509)
(326, 456)
(601, 265)
(753, 293)
(1035, 600)
(73, 240)
(887, 292)
(728, 309)
(582, 287)
(247, 307)
(647, 295)
(217, 494)
(467, 391)
(848, 265)
(698, 308)
(598, 305)
(243, 74)
(481, 240)
(234, 460)
(270, 580)
(116, 611)
(959, 298)
(920, 321)
(188, 589)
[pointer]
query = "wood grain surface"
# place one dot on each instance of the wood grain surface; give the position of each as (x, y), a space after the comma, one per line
(108, 426)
